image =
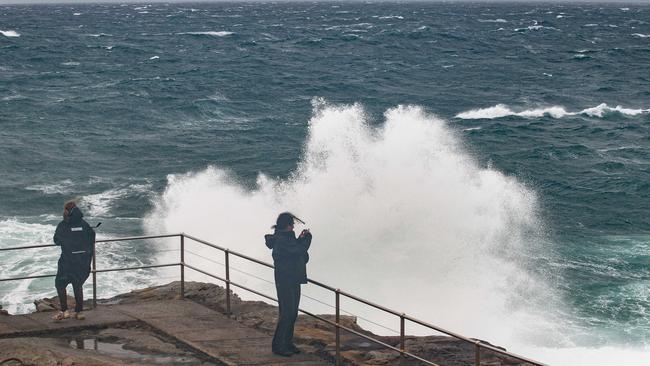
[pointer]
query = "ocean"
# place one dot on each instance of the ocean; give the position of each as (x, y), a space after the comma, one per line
(484, 167)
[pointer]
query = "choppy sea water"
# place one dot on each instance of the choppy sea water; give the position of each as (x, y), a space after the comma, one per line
(494, 157)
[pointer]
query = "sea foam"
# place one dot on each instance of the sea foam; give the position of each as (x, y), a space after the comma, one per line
(100, 204)
(62, 187)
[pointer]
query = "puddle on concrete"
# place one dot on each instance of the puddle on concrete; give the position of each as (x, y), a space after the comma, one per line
(117, 350)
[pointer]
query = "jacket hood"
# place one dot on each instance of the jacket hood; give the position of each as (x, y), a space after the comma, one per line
(75, 215)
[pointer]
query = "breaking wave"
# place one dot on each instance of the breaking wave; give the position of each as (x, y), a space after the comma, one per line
(502, 110)
(10, 33)
(400, 204)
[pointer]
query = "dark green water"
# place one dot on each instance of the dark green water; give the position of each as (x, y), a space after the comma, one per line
(105, 101)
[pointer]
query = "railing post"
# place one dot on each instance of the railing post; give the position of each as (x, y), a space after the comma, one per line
(402, 331)
(477, 353)
(94, 277)
(338, 329)
(227, 253)
(182, 266)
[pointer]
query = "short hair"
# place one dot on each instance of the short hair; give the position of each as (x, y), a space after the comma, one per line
(283, 221)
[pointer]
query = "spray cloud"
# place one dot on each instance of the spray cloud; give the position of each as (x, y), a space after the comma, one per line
(401, 215)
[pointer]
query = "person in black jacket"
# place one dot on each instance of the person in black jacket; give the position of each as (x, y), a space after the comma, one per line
(76, 239)
(290, 258)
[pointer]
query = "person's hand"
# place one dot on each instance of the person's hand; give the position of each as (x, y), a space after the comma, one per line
(304, 232)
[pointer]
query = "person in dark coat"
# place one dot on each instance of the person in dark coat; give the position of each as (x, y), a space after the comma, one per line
(290, 259)
(76, 239)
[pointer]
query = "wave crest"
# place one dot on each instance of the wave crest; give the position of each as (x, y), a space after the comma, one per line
(10, 33)
(502, 110)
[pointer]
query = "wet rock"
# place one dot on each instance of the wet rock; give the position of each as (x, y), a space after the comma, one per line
(3, 312)
(312, 335)
(12, 362)
(53, 304)
(381, 358)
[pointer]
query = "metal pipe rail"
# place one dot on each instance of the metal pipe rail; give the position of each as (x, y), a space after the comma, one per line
(479, 345)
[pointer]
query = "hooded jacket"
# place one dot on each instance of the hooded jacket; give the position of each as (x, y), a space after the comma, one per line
(290, 255)
(76, 239)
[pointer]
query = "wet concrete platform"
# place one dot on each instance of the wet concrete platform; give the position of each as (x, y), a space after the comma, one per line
(195, 325)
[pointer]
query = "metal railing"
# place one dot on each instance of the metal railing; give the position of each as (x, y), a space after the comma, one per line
(479, 345)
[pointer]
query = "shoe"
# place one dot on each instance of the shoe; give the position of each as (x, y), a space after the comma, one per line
(79, 316)
(294, 349)
(58, 316)
(283, 353)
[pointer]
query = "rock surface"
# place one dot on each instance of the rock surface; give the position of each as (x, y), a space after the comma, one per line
(316, 336)
(311, 335)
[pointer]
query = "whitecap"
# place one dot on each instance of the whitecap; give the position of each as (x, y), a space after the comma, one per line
(472, 128)
(532, 28)
(10, 33)
(218, 97)
(208, 33)
(624, 9)
(603, 108)
(591, 25)
(76, 14)
(100, 204)
(62, 187)
(640, 35)
(154, 57)
(13, 97)
(499, 20)
(502, 110)
(70, 63)
(391, 17)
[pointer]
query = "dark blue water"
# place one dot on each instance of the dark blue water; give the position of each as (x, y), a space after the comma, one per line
(105, 101)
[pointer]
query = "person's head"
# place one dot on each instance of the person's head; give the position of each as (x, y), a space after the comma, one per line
(68, 207)
(285, 221)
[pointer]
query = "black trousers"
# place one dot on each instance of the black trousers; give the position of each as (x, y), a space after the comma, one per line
(288, 301)
(78, 296)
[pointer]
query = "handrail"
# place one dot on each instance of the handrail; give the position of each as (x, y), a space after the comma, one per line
(478, 344)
